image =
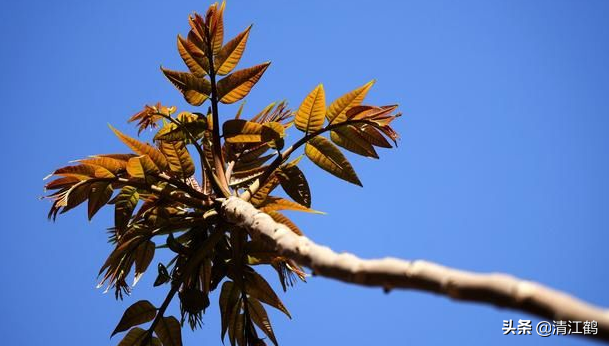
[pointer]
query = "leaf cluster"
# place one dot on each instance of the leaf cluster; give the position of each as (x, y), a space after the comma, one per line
(160, 203)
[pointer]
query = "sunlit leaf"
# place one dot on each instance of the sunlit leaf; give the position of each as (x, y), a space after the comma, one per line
(231, 53)
(310, 115)
(337, 111)
(195, 89)
(193, 57)
(178, 158)
(141, 166)
(140, 312)
(256, 286)
(284, 220)
(325, 155)
(237, 85)
(277, 203)
(142, 148)
(242, 131)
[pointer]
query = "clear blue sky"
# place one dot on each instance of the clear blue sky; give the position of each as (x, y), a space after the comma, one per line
(502, 166)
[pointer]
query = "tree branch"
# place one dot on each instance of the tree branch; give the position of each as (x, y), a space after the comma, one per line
(501, 290)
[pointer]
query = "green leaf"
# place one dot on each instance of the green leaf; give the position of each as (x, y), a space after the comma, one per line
(325, 155)
(169, 331)
(140, 312)
(310, 115)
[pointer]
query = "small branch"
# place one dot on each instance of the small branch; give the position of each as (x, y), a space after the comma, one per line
(216, 144)
(253, 188)
(501, 290)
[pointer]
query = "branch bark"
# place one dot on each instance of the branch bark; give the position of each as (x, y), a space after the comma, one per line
(497, 289)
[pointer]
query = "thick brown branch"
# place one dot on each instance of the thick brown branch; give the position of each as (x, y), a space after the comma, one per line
(501, 290)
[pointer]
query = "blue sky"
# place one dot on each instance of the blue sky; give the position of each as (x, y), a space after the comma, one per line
(502, 165)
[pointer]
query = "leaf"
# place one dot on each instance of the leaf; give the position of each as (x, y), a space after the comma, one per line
(133, 338)
(115, 166)
(276, 203)
(140, 312)
(295, 184)
(338, 109)
(350, 138)
(325, 155)
(62, 183)
(79, 171)
(169, 331)
(256, 286)
(237, 85)
(372, 136)
(100, 194)
(195, 89)
(178, 158)
(243, 131)
(193, 57)
(142, 148)
(310, 115)
(144, 254)
(284, 220)
(260, 196)
(124, 205)
(217, 28)
(191, 123)
(231, 53)
(229, 295)
(141, 167)
(261, 319)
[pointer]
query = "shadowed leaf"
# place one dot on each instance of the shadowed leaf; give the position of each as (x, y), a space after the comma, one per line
(140, 312)
(350, 138)
(142, 148)
(325, 155)
(261, 319)
(169, 331)
(100, 194)
(144, 254)
(295, 184)
(257, 287)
